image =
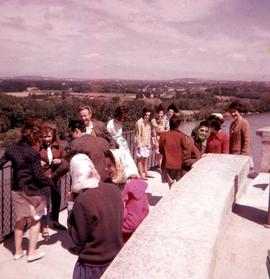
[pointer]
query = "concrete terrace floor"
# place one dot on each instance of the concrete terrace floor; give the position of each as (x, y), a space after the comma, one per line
(241, 254)
(58, 263)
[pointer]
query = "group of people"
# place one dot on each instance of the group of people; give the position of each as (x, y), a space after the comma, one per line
(107, 201)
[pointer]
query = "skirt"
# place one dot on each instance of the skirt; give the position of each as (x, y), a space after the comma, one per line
(28, 206)
(143, 152)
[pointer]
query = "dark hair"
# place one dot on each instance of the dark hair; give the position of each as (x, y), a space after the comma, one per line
(32, 131)
(160, 108)
(76, 124)
(173, 107)
(175, 121)
(204, 123)
(215, 122)
(120, 112)
(146, 109)
(236, 106)
(108, 154)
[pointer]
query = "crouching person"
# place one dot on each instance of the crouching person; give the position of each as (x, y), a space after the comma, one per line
(95, 219)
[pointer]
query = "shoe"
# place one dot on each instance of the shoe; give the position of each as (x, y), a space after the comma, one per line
(46, 236)
(17, 256)
(40, 255)
(149, 176)
(74, 250)
(58, 226)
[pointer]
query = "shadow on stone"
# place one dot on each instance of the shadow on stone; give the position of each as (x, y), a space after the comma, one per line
(250, 213)
(153, 200)
(10, 245)
(261, 186)
(61, 236)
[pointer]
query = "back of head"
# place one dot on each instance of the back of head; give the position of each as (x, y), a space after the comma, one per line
(215, 122)
(120, 112)
(83, 173)
(32, 131)
(175, 122)
(76, 124)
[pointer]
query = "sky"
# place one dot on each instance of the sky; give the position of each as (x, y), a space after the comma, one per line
(139, 39)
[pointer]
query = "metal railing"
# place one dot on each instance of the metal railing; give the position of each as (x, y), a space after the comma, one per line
(6, 210)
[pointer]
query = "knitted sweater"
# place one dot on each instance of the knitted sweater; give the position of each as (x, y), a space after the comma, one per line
(95, 224)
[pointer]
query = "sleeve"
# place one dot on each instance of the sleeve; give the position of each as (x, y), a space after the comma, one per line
(225, 145)
(38, 173)
(109, 137)
(5, 158)
(79, 224)
(135, 210)
(191, 154)
(161, 144)
(245, 139)
(138, 134)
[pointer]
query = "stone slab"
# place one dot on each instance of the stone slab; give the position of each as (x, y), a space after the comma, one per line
(178, 238)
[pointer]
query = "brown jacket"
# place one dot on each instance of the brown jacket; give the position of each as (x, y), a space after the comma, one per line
(240, 142)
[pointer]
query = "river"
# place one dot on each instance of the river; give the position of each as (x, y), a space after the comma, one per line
(256, 121)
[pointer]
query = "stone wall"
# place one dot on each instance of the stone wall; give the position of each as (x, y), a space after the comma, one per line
(264, 133)
(179, 238)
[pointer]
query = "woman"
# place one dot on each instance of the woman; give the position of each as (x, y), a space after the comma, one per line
(28, 179)
(95, 219)
(133, 190)
(158, 126)
(114, 127)
(218, 141)
(200, 134)
(143, 142)
(52, 155)
(240, 142)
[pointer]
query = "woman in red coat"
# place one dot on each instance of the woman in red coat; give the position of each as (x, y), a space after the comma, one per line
(218, 141)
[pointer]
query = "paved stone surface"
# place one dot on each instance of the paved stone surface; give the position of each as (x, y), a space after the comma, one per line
(58, 262)
(243, 249)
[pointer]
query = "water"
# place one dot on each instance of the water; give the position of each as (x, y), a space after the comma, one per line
(256, 121)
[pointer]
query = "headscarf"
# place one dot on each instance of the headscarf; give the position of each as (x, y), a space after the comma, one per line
(83, 173)
(120, 167)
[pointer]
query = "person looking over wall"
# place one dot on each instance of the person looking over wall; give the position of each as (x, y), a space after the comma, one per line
(94, 127)
(133, 189)
(172, 146)
(218, 140)
(95, 217)
(27, 181)
(52, 156)
(171, 110)
(143, 142)
(200, 134)
(115, 128)
(158, 126)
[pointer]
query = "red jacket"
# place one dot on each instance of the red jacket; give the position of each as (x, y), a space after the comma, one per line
(218, 143)
(171, 146)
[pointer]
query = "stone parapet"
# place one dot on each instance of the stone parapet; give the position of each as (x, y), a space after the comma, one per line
(264, 133)
(179, 238)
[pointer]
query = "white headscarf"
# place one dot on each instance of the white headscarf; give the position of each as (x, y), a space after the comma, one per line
(83, 173)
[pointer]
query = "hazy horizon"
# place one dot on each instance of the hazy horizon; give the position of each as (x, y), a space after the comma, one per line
(142, 40)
